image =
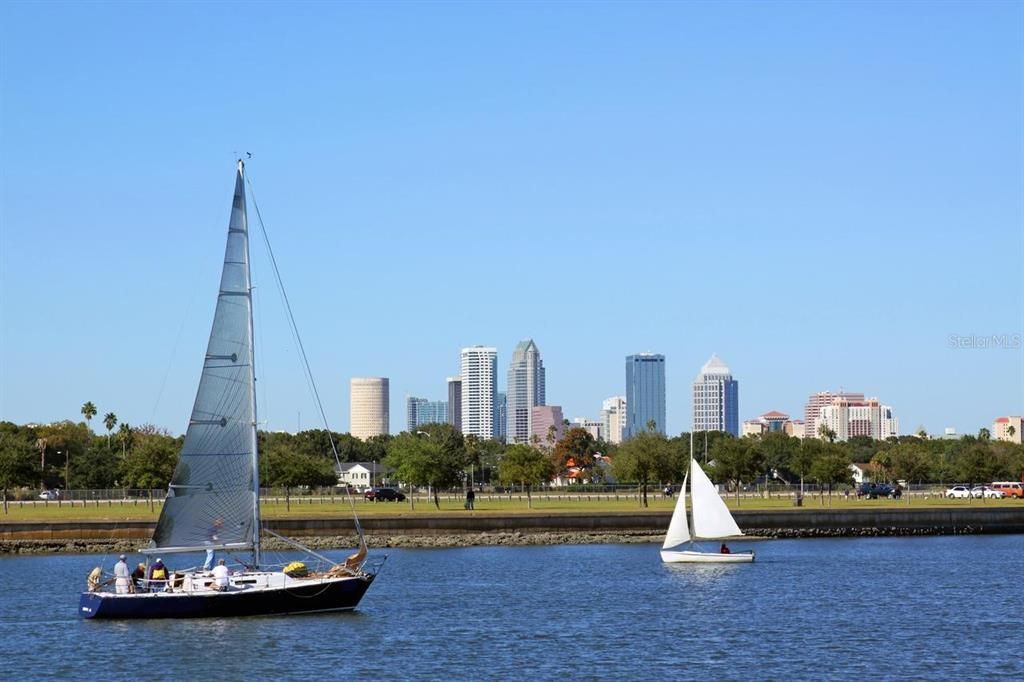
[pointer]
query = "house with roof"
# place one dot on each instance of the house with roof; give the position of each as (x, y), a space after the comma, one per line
(362, 474)
(863, 472)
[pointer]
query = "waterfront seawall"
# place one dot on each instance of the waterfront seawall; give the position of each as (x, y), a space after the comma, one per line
(454, 529)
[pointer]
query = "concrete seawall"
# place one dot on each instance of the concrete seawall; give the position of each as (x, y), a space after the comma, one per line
(773, 523)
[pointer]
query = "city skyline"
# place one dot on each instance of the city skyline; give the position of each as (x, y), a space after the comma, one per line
(801, 149)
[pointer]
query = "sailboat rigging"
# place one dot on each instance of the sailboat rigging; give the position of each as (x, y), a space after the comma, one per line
(711, 520)
(213, 501)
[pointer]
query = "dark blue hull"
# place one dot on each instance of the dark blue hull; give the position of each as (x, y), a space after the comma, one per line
(315, 597)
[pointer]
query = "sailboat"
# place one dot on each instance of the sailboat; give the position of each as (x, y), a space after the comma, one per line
(711, 521)
(213, 502)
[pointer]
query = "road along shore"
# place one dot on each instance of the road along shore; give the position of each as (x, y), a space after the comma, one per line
(476, 528)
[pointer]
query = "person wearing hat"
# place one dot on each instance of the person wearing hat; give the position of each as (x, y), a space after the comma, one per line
(157, 576)
(122, 576)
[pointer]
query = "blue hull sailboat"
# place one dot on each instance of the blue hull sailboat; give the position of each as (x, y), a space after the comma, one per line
(213, 503)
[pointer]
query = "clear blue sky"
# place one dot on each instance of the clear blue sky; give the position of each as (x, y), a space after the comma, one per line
(820, 192)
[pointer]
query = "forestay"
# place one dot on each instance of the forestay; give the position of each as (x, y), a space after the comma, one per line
(212, 500)
(711, 518)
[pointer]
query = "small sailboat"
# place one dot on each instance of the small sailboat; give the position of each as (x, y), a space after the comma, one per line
(711, 521)
(213, 502)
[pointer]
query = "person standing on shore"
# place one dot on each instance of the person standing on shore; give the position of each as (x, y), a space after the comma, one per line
(470, 498)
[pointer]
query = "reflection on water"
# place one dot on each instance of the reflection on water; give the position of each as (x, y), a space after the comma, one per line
(805, 609)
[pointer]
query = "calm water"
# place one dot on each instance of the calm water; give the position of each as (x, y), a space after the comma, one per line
(840, 608)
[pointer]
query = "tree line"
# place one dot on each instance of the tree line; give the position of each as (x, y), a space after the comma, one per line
(70, 455)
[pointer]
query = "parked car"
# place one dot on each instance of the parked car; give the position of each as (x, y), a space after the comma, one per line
(387, 494)
(873, 491)
(1010, 488)
(959, 491)
(986, 491)
(50, 495)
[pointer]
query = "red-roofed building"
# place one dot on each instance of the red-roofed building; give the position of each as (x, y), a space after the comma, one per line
(1007, 429)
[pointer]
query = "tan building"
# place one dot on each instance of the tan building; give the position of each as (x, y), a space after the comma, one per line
(368, 407)
(1008, 429)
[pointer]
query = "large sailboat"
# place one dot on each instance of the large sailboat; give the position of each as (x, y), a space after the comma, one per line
(213, 502)
(711, 521)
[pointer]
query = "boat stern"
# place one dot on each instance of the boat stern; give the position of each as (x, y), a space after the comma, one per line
(89, 605)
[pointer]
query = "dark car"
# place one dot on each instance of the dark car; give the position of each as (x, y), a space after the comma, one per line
(873, 491)
(388, 494)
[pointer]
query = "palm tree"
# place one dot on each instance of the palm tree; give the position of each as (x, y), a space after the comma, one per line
(984, 434)
(110, 421)
(1010, 430)
(41, 444)
(124, 434)
(88, 411)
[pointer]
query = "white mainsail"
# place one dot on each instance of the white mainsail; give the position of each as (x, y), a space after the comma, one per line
(212, 498)
(678, 527)
(711, 518)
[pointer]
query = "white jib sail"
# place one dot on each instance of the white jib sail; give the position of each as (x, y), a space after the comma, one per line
(711, 518)
(678, 528)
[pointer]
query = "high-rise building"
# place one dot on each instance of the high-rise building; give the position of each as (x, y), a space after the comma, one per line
(595, 427)
(815, 402)
(368, 406)
(479, 376)
(1008, 429)
(543, 418)
(525, 390)
(420, 411)
(455, 402)
(500, 416)
(645, 393)
(716, 399)
(613, 418)
(851, 418)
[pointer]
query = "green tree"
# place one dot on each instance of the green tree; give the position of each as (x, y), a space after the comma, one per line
(288, 467)
(737, 460)
(124, 435)
(109, 421)
(88, 411)
(425, 460)
(577, 445)
(1011, 431)
(832, 467)
(976, 464)
(95, 468)
(984, 434)
(646, 457)
(777, 450)
(17, 462)
(150, 463)
(525, 466)
(910, 462)
(802, 460)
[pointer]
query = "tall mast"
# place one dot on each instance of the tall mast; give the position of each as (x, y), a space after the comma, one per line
(252, 387)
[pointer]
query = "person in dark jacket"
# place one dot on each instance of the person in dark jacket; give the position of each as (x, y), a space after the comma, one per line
(157, 576)
(470, 498)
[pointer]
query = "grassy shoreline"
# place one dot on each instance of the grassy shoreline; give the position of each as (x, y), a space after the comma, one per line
(139, 510)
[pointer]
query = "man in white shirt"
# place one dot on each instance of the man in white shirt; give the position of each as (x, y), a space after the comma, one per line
(122, 576)
(220, 576)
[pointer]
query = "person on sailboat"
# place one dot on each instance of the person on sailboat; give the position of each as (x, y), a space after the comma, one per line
(157, 576)
(122, 576)
(724, 549)
(139, 578)
(220, 576)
